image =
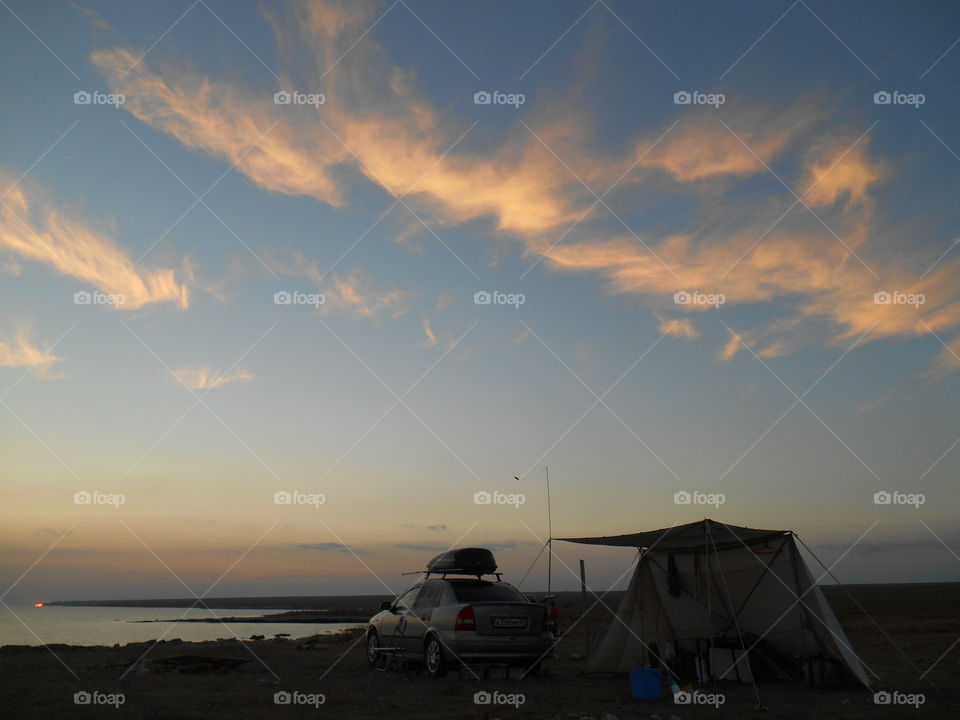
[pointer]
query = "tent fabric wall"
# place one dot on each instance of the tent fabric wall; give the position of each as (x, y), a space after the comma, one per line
(686, 598)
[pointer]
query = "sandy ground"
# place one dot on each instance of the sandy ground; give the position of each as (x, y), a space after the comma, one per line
(923, 620)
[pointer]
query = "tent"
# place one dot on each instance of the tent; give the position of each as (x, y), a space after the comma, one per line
(710, 600)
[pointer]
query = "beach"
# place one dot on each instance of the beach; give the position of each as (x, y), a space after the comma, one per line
(329, 675)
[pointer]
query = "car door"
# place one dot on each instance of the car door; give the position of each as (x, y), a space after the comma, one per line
(393, 626)
(419, 616)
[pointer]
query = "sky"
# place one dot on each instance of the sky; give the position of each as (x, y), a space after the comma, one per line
(289, 290)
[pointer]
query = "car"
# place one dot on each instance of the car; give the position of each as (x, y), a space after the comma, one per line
(460, 618)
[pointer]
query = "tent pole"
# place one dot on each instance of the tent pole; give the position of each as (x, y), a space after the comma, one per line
(745, 659)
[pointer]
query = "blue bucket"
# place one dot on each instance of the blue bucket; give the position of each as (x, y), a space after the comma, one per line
(645, 683)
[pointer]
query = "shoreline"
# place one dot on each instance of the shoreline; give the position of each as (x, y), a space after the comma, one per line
(290, 616)
(232, 643)
(343, 603)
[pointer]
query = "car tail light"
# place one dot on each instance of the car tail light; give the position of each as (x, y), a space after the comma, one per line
(465, 620)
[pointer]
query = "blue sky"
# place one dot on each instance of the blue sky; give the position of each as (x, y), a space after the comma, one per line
(794, 198)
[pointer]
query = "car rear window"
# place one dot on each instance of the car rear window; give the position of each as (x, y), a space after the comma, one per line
(482, 591)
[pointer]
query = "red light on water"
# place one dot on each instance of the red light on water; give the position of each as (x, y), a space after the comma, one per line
(38, 604)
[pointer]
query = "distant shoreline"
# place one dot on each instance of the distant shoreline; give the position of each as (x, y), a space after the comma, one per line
(329, 603)
(352, 603)
(291, 616)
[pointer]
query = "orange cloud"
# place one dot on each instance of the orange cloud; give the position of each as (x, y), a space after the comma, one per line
(733, 346)
(355, 295)
(208, 378)
(32, 227)
(431, 338)
(704, 148)
(817, 273)
(21, 352)
(375, 120)
(352, 294)
(242, 127)
(682, 328)
(841, 172)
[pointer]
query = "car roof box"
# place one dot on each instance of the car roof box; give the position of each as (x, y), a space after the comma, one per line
(465, 561)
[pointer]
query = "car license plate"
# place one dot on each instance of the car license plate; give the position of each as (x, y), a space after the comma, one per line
(515, 623)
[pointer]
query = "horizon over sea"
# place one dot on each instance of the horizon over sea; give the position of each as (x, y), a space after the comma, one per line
(80, 625)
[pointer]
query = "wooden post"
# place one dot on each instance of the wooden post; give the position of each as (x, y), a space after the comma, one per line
(583, 599)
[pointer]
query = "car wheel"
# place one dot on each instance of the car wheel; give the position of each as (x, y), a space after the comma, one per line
(373, 642)
(434, 658)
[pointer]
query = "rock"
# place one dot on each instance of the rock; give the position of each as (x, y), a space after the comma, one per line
(256, 637)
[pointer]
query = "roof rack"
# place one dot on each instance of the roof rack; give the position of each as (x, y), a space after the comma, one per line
(464, 561)
(456, 571)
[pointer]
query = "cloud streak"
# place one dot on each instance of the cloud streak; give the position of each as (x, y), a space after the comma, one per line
(22, 352)
(682, 328)
(34, 228)
(769, 249)
(351, 294)
(208, 378)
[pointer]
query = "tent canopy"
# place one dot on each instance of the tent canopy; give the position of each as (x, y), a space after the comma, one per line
(692, 537)
(707, 588)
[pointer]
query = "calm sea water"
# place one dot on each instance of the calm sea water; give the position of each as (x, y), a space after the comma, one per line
(108, 625)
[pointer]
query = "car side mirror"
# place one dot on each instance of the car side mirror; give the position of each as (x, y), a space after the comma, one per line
(386, 605)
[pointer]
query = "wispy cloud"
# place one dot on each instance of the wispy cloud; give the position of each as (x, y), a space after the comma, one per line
(821, 273)
(431, 339)
(682, 328)
(208, 378)
(374, 119)
(32, 226)
(838, 171)
(94, 17)
(352, 294)
(704, 148)
(520, 336)
(10, 268)
(946, 362)
(22, 352)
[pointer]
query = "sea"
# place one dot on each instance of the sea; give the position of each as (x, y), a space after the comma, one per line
(29, 625)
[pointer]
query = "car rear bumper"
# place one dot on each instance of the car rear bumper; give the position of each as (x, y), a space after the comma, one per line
(469, 645)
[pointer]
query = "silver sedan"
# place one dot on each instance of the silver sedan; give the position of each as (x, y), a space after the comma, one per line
(446, 622)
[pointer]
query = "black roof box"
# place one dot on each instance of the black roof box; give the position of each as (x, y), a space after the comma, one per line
(465, 561)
